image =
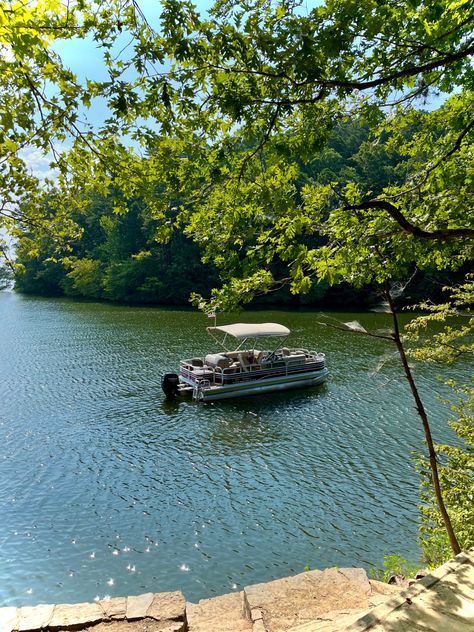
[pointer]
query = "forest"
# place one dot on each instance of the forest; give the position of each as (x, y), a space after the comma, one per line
(117, 256)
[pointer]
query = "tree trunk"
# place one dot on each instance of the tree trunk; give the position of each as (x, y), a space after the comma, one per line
(426, 427)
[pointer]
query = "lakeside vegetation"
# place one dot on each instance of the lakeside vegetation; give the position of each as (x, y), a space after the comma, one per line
(117, 257)
(277, 145)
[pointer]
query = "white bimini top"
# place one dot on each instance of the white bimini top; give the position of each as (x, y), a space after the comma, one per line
(249, 330)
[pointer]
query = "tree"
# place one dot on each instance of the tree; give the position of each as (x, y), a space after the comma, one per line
(258, 70)
(6, 276)
(115, 257)
(456, 471)
(457, 482)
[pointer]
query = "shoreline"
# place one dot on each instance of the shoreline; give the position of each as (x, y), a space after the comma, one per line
(331, 600)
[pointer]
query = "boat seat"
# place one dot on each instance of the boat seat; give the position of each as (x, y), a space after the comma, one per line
(295, 358)
(215, 360)
(285, 351)
(245, 363)
(233, 355)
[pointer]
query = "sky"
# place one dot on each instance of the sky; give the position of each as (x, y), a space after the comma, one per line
(84, 58)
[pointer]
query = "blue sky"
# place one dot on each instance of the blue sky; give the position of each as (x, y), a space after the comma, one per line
(85, 59)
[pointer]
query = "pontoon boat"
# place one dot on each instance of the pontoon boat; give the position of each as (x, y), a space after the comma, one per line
(246, 370)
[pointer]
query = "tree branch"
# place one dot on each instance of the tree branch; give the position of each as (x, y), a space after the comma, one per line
(443, 234)
(261, 144)
(454, 148)
(356, 331)
(357, 84)
(6, 258)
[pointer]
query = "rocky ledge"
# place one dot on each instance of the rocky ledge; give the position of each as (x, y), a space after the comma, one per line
(273, 606)
(332, 600)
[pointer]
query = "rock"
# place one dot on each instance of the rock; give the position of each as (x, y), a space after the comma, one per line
(115, 608)
(139, 625)
(219, 614)
(34, 618)
(170, 605)
(137, 607)
(68, 616)
(382, 588)
(8, 619)
(292, 601)
(333, 621)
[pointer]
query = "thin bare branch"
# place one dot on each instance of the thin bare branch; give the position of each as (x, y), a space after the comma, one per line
(356, 331)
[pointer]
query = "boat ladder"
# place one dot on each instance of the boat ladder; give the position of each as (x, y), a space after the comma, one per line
(198, 389)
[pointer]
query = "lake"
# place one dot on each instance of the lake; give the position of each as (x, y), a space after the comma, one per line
(107, 489)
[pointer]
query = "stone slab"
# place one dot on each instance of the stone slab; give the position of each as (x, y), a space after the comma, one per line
(139, 625)
(34, 617)
(67, 616)
(114, 608)
(427, 622)
(292, 601)
(137, 606)
(338, 620)
(223, 614)
(167, 606)
(333, 621)
(8, 618)
(256, 614)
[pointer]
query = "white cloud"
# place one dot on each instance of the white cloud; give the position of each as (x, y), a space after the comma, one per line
(39, 163)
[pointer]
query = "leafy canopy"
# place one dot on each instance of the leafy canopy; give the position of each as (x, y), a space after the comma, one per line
(211, 117)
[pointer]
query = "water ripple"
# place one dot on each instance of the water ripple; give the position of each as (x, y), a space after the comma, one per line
(107, 490)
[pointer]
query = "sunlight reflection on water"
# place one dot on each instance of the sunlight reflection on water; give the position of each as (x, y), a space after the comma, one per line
(108, 490)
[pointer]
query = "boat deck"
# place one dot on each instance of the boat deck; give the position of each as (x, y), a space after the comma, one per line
(249, 366)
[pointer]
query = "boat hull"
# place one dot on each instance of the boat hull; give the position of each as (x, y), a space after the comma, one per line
(208, 393)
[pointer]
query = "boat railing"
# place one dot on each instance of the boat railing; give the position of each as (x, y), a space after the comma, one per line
(240, 370)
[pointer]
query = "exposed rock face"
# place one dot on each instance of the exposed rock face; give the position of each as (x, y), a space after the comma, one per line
(169, 606)
(114, 608)
(35, 618)
(8, 619)
(68, 616)
(137, 607)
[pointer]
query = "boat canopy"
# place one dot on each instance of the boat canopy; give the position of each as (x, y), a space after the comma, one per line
(249, 330)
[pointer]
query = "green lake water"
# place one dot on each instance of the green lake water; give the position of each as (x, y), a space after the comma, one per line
(107, 489)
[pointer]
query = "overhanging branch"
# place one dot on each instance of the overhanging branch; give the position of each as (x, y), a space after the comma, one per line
(444, 234)
(440, 61)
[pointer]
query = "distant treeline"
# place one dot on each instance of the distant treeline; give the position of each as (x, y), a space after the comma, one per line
(117, 257)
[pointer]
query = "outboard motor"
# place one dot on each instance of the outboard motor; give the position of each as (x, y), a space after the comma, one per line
(169, 384)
